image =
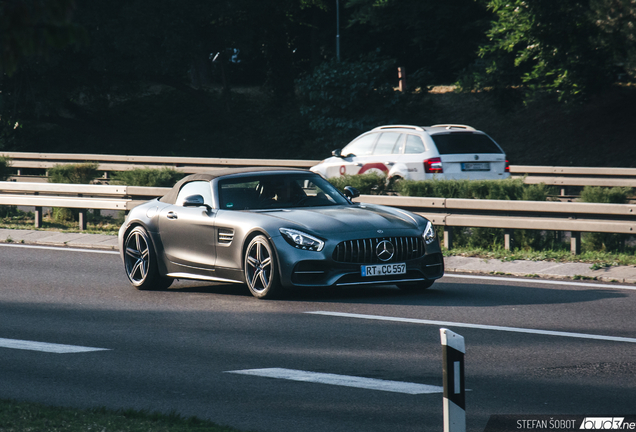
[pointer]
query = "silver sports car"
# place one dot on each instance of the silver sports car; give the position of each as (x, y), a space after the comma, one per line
(273, 229)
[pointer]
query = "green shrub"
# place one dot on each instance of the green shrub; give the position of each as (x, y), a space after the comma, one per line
(83, 173)
(5, 165)
(508, 189)
(604, 241)
(341, 99)
(367, 184)
(615, 195)
(164, 177)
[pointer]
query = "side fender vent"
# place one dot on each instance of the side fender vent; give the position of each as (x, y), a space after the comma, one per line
(226, 235)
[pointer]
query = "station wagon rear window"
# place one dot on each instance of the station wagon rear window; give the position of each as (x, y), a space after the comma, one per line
(464, 142)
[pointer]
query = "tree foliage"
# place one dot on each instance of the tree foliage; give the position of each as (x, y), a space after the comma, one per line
(562, 49)
(432, 36)
(34, 27)
(68, 65)
(347, 97)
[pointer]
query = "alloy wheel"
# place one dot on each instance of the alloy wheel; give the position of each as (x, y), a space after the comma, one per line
(259, 266)
(137, 256)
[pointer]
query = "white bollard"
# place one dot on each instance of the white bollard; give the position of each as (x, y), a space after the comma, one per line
(453, 350)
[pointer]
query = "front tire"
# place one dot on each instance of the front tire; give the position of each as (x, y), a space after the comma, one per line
(261, 275)
(140, 262)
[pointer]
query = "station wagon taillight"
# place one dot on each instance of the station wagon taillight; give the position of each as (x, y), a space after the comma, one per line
(433, 166)
(507, 166)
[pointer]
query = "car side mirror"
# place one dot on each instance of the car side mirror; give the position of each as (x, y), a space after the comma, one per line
(337, 153)
(351, 192)
(195, 201)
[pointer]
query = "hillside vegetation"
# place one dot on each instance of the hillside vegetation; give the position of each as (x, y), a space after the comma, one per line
(597, 132)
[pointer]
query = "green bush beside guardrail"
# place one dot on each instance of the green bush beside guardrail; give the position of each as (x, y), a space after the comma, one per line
(83, 173)
(152, 177)
(5, 164)
(605, 241)
(508, 189)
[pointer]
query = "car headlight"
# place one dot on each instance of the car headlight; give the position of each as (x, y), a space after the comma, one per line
(429, 233)
(301, 240)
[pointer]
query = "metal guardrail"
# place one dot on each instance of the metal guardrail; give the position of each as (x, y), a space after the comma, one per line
(575, 176)
(83, 197)
(510, 215)
(113, 163)
(446, 212)
(550, 175)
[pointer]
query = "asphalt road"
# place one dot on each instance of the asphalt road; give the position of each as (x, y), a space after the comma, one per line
(175, 350)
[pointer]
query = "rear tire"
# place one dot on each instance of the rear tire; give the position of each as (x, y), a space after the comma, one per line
(140, 262)
(261, 274)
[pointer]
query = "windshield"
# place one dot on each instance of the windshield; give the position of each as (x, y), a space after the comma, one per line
(464, 142)
(272, 191)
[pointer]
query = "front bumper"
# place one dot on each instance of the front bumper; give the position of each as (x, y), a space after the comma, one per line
(300, 268)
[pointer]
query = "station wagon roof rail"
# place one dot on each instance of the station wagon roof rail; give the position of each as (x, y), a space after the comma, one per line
(417, 128)
(454, 126)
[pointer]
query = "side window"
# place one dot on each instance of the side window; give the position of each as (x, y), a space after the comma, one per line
(399, 147)
(386, 143)
(202, 188)
(414, 144)
(360, 147)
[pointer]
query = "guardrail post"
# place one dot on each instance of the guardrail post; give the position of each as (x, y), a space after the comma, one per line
(82, 217)
(575, 243)
(448, 237)
(453, 350)
(507, 239)
(37, 217)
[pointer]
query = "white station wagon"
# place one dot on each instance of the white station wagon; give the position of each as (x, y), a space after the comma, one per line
(445, 151)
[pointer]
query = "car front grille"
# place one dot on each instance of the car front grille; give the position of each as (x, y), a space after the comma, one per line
(364, 251)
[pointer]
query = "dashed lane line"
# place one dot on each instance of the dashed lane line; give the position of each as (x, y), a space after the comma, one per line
(476, 326)
(46, 346)
(342, 380)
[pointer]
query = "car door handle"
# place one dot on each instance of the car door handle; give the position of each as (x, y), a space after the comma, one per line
(172, 215)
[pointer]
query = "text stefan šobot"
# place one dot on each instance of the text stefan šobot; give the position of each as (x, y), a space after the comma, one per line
(588, 423)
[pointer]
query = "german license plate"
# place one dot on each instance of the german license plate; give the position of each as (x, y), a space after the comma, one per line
(476, 166)
(383, 269)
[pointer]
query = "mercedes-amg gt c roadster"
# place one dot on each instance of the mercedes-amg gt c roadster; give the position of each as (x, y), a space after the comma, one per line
(273, 229)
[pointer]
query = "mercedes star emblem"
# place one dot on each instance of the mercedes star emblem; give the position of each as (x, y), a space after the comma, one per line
(385, 250)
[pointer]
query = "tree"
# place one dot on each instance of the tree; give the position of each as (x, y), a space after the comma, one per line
(545, 47)
(34, 27)
(439, 37)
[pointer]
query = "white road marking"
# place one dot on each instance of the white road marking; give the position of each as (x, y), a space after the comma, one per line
(46, 347)
(541, 281)
(477, 326)
(66, 249)
(342, 380)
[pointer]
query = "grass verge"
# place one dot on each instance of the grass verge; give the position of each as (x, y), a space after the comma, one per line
(597, 259)
(28, 417)
(95, 225)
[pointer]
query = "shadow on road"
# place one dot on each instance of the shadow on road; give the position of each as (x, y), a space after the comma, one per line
(442, 293)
